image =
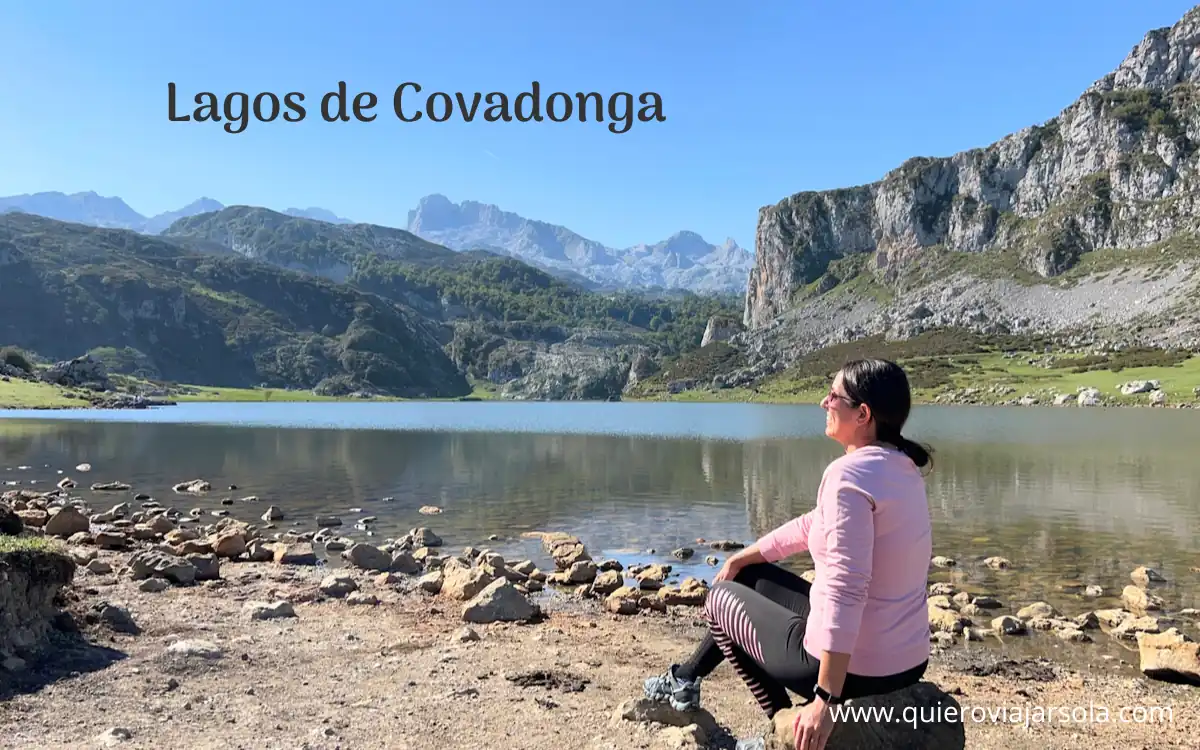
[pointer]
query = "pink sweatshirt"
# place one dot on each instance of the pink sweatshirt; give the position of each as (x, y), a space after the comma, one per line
(871, 542)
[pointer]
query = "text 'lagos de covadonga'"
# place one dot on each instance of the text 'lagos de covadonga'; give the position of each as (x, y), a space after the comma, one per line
(410, 103)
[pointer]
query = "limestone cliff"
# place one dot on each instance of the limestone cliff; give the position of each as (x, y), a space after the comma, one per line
(1115, 170)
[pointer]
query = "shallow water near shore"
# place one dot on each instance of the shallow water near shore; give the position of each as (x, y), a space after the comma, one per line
(1071, 496)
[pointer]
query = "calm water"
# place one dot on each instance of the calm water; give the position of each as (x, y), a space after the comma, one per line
(1071, 496)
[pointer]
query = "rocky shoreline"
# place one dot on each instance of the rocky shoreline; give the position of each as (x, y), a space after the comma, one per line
(145, 572)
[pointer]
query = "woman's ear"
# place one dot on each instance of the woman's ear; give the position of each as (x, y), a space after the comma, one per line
(864, 414)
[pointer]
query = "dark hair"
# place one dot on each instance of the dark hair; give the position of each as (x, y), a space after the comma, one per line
(883, 386)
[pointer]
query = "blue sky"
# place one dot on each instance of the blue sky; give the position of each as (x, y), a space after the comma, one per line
(760, 102)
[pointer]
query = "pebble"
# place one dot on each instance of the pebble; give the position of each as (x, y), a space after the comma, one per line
(114, 737)
(205, 649)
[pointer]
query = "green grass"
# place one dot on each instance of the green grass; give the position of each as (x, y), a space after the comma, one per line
(10, 544)
(240, 395)
(951, 360)
(24, 394)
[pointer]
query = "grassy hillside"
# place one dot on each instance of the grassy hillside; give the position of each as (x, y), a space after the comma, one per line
(221, 320)
(446, 285)
(948, 364)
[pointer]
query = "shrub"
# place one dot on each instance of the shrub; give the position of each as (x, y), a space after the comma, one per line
(13, 356)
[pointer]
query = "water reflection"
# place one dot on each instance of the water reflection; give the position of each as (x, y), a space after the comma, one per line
(1072, 497)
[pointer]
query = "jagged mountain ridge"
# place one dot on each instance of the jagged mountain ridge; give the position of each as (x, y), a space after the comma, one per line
(114, 213)
(683, 261)
(985, 237)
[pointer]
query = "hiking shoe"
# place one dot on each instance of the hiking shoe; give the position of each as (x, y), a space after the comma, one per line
(683, 695)
(755, 743)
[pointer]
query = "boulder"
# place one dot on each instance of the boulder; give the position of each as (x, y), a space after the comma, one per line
(154, 563)
(295, 554)
(691, 592)
(925, 716)
(268, 610)
(567, 552)
(194, 486)
(1037, 610)
(423, 537)
(368, 557)
(465, 583)
(65, 522)
(946, 620)
(583, 571)
(624, 601)
(1139, 601)
(645, 710)
(404, 562)
(228, 544)
(607, 582)
(1170, 656)
(10, 522)
(81, 372)
(499, 602)
(1143, 575)
(338, 585)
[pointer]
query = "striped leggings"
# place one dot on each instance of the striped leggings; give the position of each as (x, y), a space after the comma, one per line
(757, 623)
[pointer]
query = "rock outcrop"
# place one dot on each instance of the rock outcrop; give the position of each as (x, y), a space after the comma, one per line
(81, 372)
(587, 366)
(30, 578)
(1114, 170)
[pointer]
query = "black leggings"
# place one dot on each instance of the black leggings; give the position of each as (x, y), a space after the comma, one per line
(757, 622)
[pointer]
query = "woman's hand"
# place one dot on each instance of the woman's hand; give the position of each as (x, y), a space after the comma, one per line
(730, 569)
(813, 726)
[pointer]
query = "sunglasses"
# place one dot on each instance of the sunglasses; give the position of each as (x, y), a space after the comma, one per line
(834, 396)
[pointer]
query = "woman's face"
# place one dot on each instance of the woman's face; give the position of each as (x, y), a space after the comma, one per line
(841, 419)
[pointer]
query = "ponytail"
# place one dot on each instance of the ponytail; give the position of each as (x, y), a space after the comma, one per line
(921, 455)
(883, 386)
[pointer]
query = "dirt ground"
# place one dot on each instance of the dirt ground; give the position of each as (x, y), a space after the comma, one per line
(397, 675)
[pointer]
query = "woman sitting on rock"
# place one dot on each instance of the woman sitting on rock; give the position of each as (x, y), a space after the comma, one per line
(862, 626)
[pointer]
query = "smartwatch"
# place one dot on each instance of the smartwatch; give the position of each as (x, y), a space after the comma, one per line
(824, 695)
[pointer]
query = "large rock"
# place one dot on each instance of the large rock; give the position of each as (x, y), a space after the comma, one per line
(1170, 656)
(692, 592)
(65, 522)
(368, 557)
(499, 602)
(153, 563)
(1139, 601)
(645, 710)
(10, 522)
(81, 372)
(567, 551)
(295, 554)
(29, 582)
(465, 583)
(937, 723)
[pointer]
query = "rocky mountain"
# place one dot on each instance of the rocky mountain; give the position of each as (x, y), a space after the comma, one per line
(503, 321)
(100, 211)
(207, 319)
(683, 261)
(156, 224)
(1082, 226)
(312, 212)
(85, 208)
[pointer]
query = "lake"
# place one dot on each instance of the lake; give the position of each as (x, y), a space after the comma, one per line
(1071, 496)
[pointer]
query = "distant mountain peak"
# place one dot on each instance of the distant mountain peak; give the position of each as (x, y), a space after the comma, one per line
(317, 213)
(683, 261)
